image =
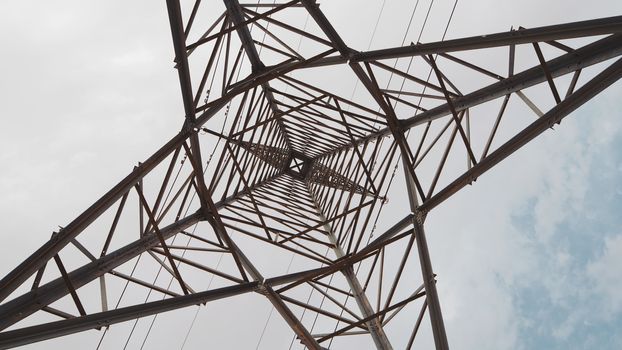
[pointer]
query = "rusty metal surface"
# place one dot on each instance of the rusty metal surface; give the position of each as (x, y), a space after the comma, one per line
(268, 155)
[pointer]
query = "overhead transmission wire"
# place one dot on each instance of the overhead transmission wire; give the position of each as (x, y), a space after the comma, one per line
(185, 213)
(328, 249)
(401, 89)
(295, 248)
(224, 123)
(193, 230)
(101, 339)
(371, 39)
(184, 251)
(179, 262)
(427, 79)
(267, 26)
(420, 99)
(397, 162)
(173, 241)
(404, 80)
(219, 139)
(137, 261)
(291, 260)
(380, 209)
(412, 15)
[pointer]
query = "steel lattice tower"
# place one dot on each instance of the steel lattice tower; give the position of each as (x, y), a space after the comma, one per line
(269, 157)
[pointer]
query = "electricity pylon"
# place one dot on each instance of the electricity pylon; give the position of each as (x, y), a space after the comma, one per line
(296, 168)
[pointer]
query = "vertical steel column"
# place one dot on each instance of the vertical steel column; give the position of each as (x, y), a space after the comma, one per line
(429, 283)
(438, 328)
(375, 326)
(436, 317)
(234, 10)
(277, 302)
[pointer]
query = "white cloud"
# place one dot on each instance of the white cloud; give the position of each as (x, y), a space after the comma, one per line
(606, 276)
(492, 252)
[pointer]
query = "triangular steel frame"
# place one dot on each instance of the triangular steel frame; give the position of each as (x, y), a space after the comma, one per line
(327, 203)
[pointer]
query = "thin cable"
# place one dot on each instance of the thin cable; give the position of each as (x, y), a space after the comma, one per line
(412, 16)
(428, 79)
(373, 34)
(210, 158)
(264, 32)
(199, 308)
(399, 157)
(160, 269)
(272, 309)
(381, 141)
(167, 287)
(304, 28)
(166, 198)
(404, 41)
(371, 39)
(187, 244)
(119, 301)
(182, 254)
(173, 241)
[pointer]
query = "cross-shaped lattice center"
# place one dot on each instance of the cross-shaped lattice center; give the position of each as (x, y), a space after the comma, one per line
(296, 164)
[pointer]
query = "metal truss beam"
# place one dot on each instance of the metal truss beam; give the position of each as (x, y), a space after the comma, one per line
(601, 26)
(588, 91)
(234, 10)
(34, 262)
(32, 334)
(37, 333)
(436, 318)
(591, 54)
(46, 294)
(337, 163)
(56, 329)
(28, 303)
(373, 324)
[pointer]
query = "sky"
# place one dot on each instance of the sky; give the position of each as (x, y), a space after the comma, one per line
(528, 257)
